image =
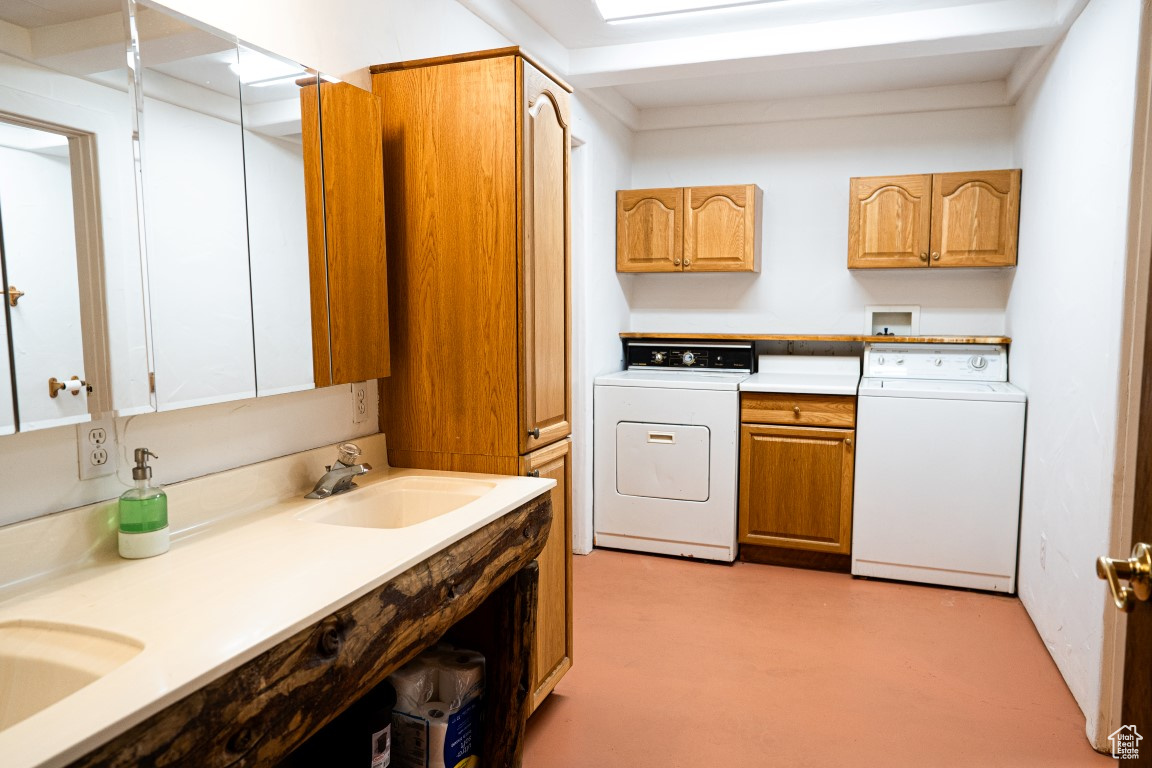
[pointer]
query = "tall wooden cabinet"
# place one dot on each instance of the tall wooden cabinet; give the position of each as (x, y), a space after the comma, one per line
(477, 176)
(968, 219)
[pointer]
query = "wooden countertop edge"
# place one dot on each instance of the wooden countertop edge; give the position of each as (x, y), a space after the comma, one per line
(491, 53)
(817, 337)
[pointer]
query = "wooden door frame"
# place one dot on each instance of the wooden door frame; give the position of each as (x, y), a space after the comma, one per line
(1125, 686)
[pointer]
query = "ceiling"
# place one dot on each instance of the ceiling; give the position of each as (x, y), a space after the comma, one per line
(661, 72)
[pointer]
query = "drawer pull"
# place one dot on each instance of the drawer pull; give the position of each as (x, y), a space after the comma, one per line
(534, 433)
(796, 410)
(668, 438)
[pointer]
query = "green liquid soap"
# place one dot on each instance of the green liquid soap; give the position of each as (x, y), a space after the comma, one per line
(143, 510)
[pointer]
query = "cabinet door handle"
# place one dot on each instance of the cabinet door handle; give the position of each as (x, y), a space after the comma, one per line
(935, 256)
(687, 262)
(676, 262)
(848, 442)
(924, 256)
(534, 473)
(534, 433)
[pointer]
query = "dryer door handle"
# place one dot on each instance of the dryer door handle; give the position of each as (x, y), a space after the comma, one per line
(668, 438)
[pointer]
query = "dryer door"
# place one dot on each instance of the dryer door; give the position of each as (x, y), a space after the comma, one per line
(662, 461)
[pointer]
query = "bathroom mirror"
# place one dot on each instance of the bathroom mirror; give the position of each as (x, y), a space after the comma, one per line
(68, 246)
(225, 219)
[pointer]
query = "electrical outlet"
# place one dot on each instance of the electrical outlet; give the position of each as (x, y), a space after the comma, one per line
(359, 402)
(96, 448)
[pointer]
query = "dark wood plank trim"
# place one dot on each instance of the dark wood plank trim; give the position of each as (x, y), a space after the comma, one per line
(491, 53)
(796, 558)
(258, 713)
(817, 337)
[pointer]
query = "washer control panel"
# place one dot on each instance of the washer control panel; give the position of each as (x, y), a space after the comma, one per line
(956, 362)
(713, 356)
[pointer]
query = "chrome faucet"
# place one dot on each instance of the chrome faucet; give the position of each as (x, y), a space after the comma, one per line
(339, 476)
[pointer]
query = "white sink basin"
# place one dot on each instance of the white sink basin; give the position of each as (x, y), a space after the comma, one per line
(42, 663)
(398, 503)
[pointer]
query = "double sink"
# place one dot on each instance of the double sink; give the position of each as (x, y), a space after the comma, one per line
(43, 662)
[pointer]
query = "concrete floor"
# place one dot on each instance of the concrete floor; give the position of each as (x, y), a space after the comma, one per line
(682, 663)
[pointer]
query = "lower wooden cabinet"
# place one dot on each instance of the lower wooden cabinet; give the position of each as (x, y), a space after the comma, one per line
(796, 479)
(553, 646)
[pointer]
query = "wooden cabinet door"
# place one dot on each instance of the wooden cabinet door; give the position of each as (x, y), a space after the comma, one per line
(796, 487)
(975, 218)
(889, 221)
(344, 192)
(545, 275)
(649, 230)
(553, 648)
(721, 228)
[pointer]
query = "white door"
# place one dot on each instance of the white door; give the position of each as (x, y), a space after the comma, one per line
(36, 213)
(662, 461)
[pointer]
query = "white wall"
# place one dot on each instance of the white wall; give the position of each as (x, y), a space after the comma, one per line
(803, 168)
(600, 166)
(1074, 141)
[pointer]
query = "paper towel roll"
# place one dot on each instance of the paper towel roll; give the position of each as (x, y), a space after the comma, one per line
(460, 677)
(436, 713)
(414, 683)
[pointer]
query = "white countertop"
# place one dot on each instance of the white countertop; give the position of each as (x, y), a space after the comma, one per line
(802, 374)
(229, 589)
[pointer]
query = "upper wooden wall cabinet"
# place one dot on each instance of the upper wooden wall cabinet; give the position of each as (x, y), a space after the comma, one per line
(968, 219)
(344, 192)
(689, 229)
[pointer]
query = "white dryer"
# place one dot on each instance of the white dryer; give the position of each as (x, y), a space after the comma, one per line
(939, 453)
(666, 449)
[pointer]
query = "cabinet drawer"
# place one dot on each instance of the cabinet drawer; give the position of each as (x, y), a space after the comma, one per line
(808, 410)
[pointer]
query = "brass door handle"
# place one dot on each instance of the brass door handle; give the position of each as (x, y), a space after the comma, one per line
(796, 411)
(848, 442)
(676, 262)
(14, 295)
(935, 257)
(924, 256)
(687, 262)
(1136, 570)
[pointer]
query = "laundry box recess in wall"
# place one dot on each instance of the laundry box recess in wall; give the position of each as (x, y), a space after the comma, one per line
(892, 320)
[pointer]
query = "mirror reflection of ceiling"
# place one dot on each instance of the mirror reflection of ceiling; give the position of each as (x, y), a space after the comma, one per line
(33, 140)
(33, 14)
(78, 37)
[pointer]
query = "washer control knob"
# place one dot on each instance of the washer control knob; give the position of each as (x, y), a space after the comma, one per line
(899, 361)
(979, 362)
(937, 362)
(657, 357)
(880, 360)
(687, 358)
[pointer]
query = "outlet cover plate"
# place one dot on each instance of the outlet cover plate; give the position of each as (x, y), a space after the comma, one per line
(359, 402)
(96, 448)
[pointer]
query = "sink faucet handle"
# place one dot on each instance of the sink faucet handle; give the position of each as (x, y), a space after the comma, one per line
(349, 454)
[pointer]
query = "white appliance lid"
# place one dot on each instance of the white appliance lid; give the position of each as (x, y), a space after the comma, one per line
(674, 379)
(943, 390)
(799, 383)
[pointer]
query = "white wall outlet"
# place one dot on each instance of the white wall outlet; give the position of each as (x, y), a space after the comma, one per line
(359, 402)
(96, 449)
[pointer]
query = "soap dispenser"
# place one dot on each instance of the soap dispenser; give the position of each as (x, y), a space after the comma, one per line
(143, 513)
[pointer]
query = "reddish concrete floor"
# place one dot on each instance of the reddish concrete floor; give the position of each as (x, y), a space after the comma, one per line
(682, 663)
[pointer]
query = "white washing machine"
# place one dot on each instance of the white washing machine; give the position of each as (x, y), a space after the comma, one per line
(666, 449)
(939, 456)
